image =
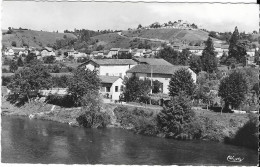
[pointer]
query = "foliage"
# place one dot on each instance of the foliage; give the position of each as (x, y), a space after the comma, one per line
(6, 80)
(223, 58)
(208, 58)
(184, 57)
(237, 49)
(61, 82)
(248, 134)
(49, 59)
(20, 62)
(169, 54)
(233, 89)
(157, 86)
(92, 116)
(195, 64)
(29, 79)
(82, 82)
(29, 58)
(13, 44)
(63, 101)
(124, 56)
(181, 81)
(135, 88)
(100, 47)
(13, 66)
(174, 121)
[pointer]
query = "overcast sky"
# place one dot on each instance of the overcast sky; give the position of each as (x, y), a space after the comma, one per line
(52, 16)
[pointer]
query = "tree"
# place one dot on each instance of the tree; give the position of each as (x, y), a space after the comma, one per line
(208, 58)
(29, 58)
(233, 89)
(256, 59)
(83, 82)
(213, 34)
(195, 64)
(237, 49)
(184, 57)
(124, 56)
(175, 120)
(100, 47)
(49, 59)
(157, 86)
(181, 81)
(169, 54)
(13, 66)
(13, 44)
(139, 26)
(135, 88)
(20, 62)
(30, 79)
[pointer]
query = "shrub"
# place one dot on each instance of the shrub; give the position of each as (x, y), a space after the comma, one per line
(176, 120)
(63, 101)
(6, 80)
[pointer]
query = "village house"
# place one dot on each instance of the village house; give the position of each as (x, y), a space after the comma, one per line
(138, 52)
(111, 87)
(113, 51)
(197, 50)
(162, 73)
(47, 51)
(110, 67)
(152, 61)
(94, 53)
(15, 51)
(126, 51)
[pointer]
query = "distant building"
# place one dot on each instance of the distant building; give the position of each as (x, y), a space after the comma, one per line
(152, 61)
(16, 51)
(47, 51)
(110, 67)
(113, 51)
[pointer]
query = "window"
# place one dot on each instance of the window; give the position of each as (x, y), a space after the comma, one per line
(108, 89)
(116, 88)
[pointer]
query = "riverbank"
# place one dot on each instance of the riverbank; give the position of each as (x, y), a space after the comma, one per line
(213, 126)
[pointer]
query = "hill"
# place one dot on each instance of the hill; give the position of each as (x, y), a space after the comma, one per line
(115, 40)
(33, 38)
(169, 34)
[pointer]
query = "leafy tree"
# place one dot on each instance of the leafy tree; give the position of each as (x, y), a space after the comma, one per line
(213, 34)
(100, 47)
(139, 26)
(83, 82)
(223, 58)
(157, 86)
(13, 44)
(49, 59)
(169, 54)
(195, 64)
(181, 81)
(208, 58)
(237, 49)
(174, 121)
(13, 66)
(29, 79)
(61, 82)
(184, 57)
(233, 89)
(20, 62)
(29, 58)
(256, 59)
(135, 88)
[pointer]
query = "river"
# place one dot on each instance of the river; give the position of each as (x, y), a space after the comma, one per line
(37, 141)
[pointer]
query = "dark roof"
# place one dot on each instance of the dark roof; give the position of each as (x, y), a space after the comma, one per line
(112, 61)
(114, 49)
(108, 79)
(152, 61)
(124, 50)
(156, 69)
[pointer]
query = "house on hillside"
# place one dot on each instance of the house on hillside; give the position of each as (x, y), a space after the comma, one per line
(111, 87)
(47, 51)
(162, 73)
(16, 51)
(110, 67)
(113, 51)
(197, 50)
(94, 54)
(138, 52)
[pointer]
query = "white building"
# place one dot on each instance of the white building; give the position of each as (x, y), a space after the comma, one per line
(110, 67)
(47, 51)
(111, 87)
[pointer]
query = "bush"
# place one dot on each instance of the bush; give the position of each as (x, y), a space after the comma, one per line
(248, 134)
(63, 101)
(6, 80)
(176, 120)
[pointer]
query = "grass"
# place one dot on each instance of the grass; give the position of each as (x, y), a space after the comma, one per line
(33, 38)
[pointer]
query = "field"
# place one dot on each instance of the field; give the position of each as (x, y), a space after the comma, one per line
(33, 38)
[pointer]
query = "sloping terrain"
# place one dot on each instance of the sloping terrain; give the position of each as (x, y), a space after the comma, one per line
(169, 34)
(33, 38)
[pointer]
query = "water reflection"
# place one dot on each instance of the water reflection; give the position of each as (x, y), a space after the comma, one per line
(36, 141)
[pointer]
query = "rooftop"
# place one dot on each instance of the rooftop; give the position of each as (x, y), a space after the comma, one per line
(108, 79)
(112, 62)
(152, 61)
(155, 69)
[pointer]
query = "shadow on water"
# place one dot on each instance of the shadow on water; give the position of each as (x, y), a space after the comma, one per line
(36, 141)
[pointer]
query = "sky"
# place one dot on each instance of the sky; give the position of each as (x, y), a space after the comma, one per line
(53, 16)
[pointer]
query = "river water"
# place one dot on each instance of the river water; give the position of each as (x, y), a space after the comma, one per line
(36, 141)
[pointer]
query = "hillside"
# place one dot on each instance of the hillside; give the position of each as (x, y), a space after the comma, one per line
(169, 34)
(33, 38)
(114, 40)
